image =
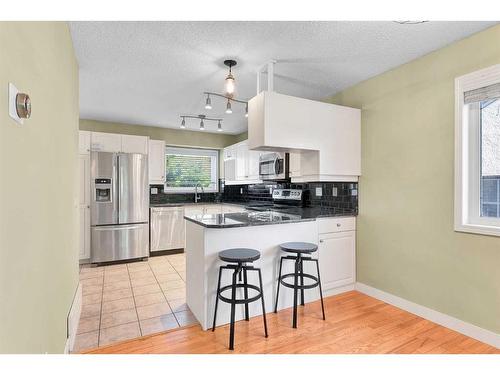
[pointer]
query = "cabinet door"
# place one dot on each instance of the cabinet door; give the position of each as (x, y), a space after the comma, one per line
(295, 165)
(84, 206)
(156, 162)
(253, 165)
(107, 142)
(241, 162)
(337, 259)
(134, 144)
(228, 153)
(84, 142)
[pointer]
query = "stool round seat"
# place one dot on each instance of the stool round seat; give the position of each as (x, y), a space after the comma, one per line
(239, 255)
(299, 247)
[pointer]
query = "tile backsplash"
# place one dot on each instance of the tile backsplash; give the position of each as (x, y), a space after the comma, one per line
(317, 194)
(342, 195)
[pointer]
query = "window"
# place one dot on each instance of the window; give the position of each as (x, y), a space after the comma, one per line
(188, 168)
(477, 152)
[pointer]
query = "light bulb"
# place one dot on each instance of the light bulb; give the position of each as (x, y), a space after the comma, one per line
(202, 125)
(208, 103)
(230, 84)
(228, 107)
(183, 123)
(219, 127)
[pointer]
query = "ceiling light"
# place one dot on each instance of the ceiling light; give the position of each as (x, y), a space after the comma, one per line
(202, 125)
(228, 107)
(219, 127)
(208, 102)
(246, 110)
(229, 86)
(183, 123)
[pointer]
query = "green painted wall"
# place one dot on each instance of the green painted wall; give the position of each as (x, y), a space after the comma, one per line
(38, 189)
(406, 244)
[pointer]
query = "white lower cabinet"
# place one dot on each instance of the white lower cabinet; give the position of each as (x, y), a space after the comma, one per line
(337, 253)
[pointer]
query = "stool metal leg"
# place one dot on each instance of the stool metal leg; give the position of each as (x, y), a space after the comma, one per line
(295, 290)
(233, 297)
(302, 282)
(279, 282)
(245, 280)
(217, 298)
(320, 289)
(263, 303)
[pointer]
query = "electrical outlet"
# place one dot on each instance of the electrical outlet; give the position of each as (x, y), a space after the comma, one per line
(354, 192)
(319, 192)
(334, 192)
(154, 191)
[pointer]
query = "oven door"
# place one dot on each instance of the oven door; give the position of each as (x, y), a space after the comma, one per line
(272, 166)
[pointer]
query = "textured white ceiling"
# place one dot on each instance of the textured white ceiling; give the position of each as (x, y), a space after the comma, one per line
(150, 73)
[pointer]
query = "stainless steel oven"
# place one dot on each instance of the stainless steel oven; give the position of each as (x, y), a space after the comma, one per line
(274, 166)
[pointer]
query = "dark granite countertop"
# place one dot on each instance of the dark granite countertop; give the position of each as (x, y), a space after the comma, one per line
(245, 219)
(266, 217)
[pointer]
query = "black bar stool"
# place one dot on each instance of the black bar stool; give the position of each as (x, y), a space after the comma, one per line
(302, 251)
(240, 257)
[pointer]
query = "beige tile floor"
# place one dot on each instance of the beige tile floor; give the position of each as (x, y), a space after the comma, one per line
(125, 301)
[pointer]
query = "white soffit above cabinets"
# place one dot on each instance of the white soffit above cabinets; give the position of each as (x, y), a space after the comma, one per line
(149, 73)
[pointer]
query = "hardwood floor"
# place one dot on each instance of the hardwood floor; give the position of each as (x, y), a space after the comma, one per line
(355, 323)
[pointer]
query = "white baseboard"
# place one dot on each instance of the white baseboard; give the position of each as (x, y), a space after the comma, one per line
(478, 333)
(74, 319)
(341, 289)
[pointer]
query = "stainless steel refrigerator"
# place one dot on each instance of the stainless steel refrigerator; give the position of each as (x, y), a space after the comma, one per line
(120, 206)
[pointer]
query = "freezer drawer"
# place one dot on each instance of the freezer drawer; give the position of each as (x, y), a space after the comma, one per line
(167, 228)
(119, 242)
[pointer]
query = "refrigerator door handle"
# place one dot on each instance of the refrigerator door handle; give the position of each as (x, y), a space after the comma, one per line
(119, 227)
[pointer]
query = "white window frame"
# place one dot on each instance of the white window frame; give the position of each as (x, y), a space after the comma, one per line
(467, 156)
(213, 153)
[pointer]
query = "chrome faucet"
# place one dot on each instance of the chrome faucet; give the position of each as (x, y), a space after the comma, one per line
(197, 197)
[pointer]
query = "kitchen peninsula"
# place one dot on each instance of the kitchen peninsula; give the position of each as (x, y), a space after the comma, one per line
(206, 235)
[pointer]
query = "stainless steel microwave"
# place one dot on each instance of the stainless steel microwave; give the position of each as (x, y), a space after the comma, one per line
(274, 166)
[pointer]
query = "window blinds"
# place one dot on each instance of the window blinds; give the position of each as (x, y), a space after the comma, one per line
(481, 94)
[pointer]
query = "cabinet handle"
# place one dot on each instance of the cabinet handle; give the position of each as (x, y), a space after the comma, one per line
(338, 224)
(321, 241)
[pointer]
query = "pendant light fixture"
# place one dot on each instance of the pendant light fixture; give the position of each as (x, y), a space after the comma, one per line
(228, 107)
(202, 124)
(219, 126)
(183, 123)
(229, 85)
(208, 102)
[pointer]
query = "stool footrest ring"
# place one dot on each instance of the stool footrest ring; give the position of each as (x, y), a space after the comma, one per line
(243, 300)
(299, 275)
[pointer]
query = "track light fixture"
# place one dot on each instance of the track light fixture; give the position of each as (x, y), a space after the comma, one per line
(208, 102)
(246, 110)
(202, 119)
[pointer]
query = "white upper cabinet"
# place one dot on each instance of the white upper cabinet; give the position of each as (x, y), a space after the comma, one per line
(84, 142)
(328, 136)
(107, 142)
(135, 144)
(241, 165)
(110, 142)
(156, 162)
